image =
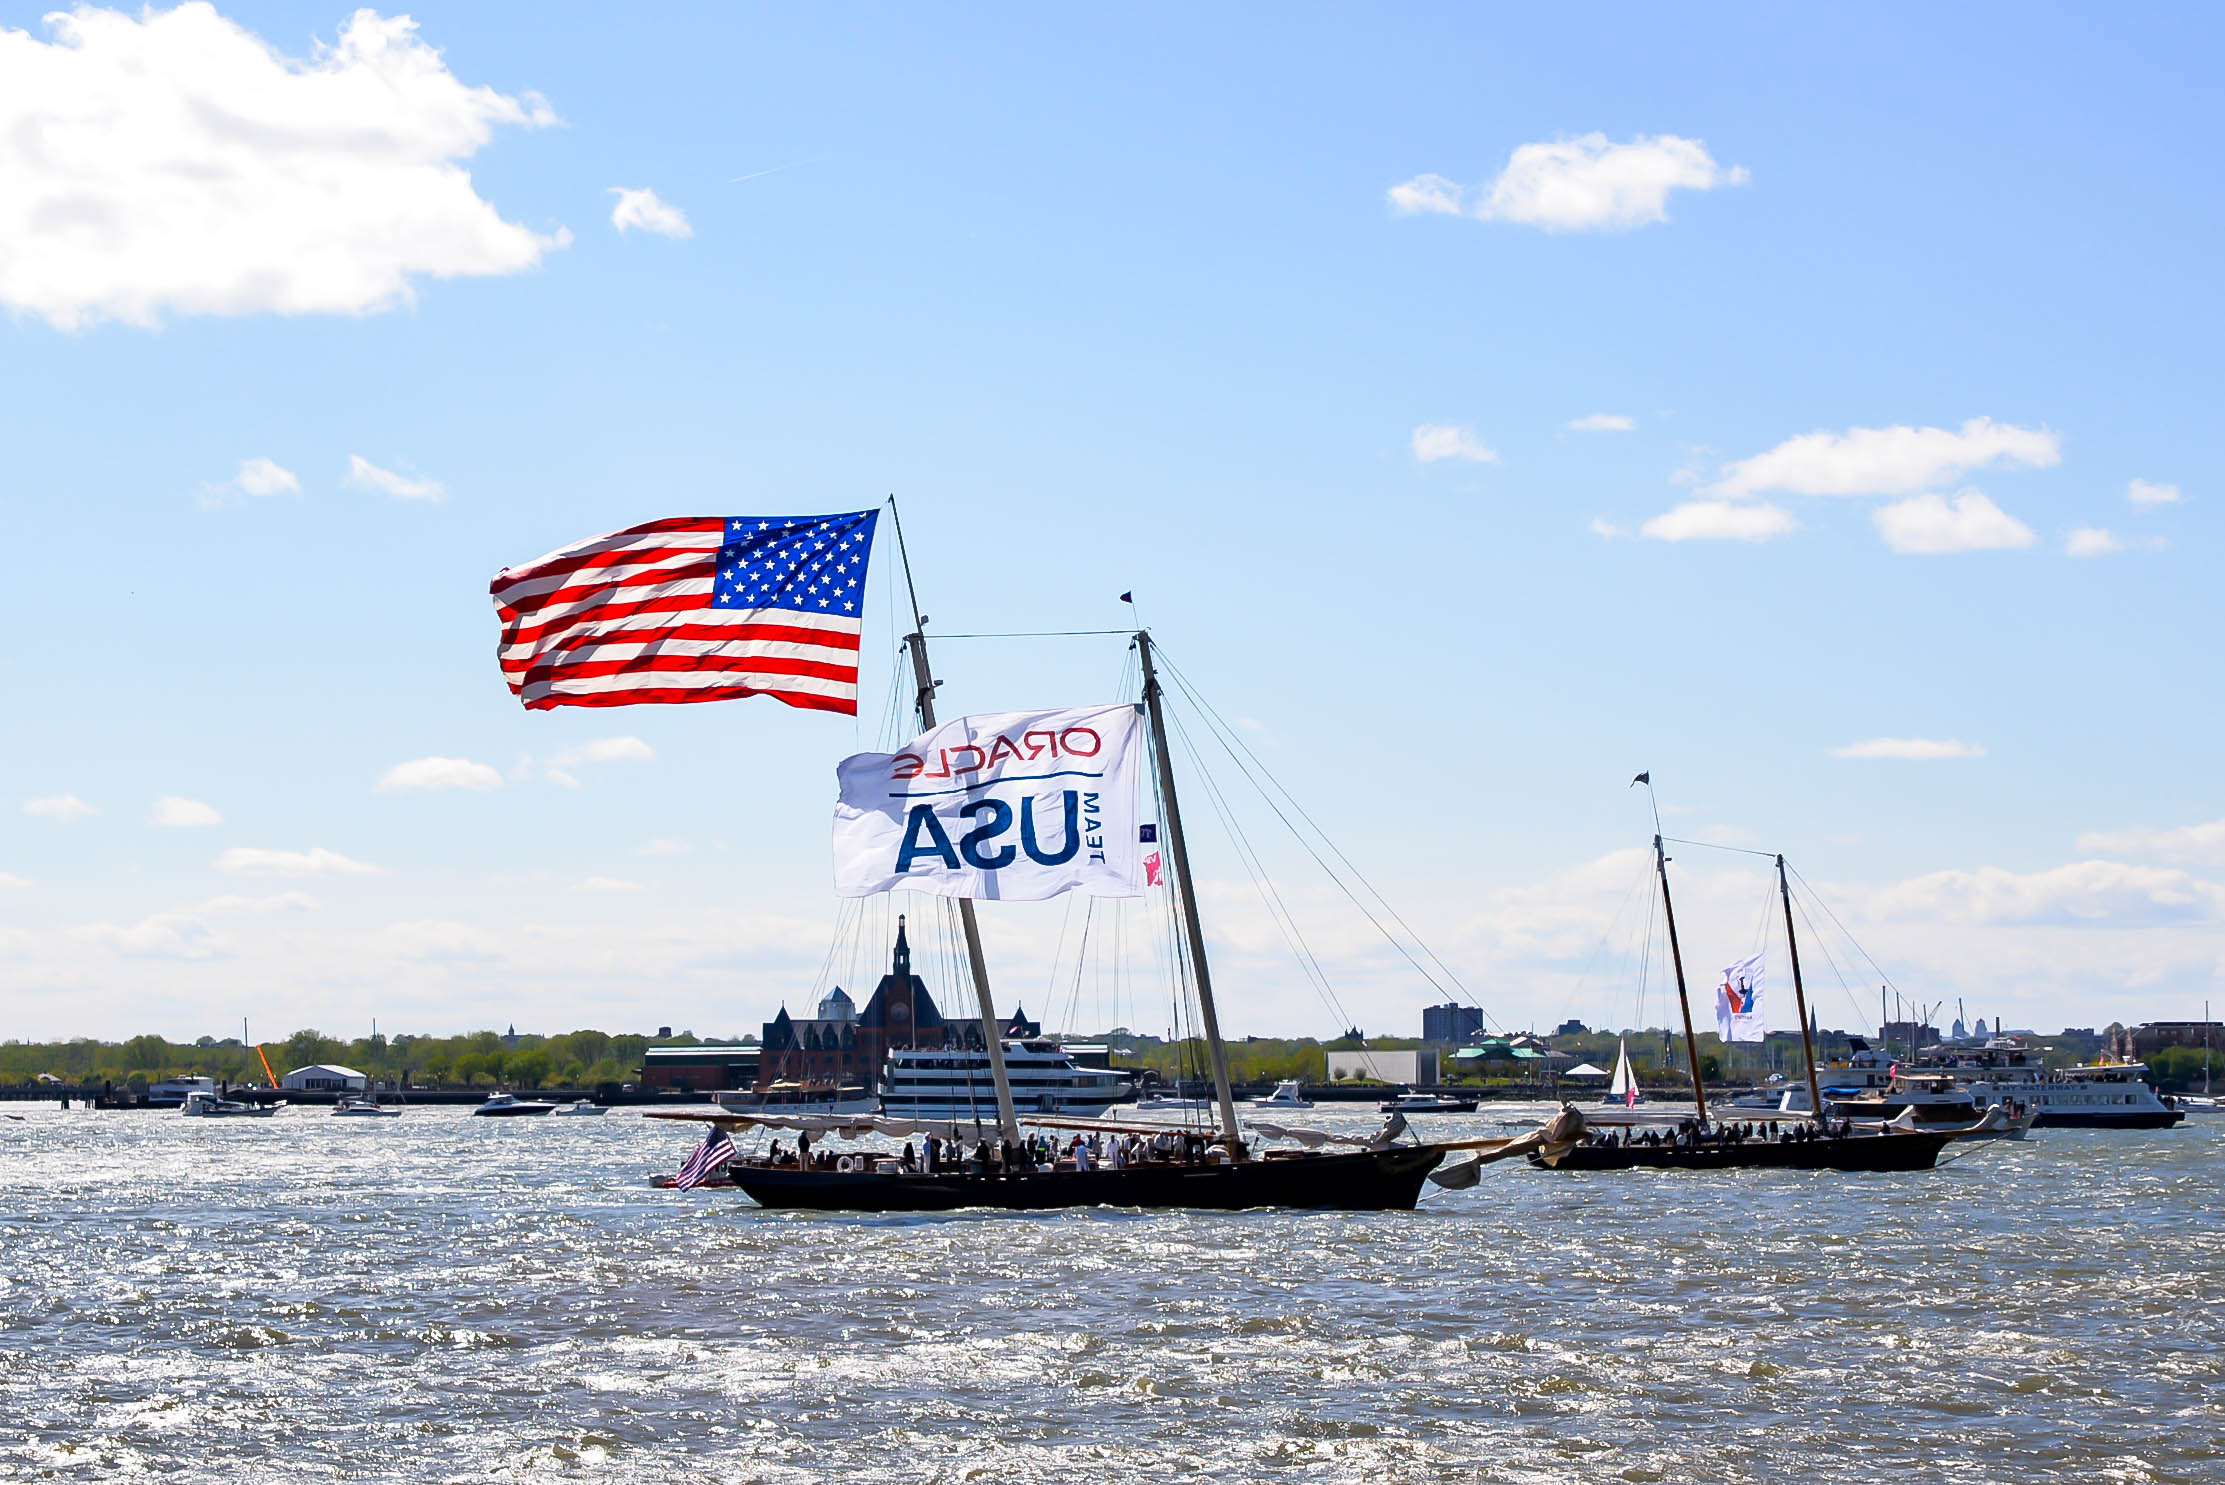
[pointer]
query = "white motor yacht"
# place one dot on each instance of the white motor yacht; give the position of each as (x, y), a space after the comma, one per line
(1288, 1094)
(581, 1108)
(351, 1107)
(510, 1106)
(172, 1093)
(203, 1103)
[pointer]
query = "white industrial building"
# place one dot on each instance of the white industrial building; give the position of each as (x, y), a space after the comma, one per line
(1384, 1067)
(325, 1078)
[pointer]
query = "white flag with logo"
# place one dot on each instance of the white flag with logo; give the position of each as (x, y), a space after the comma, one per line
(1012, 806)
(1738, 1002)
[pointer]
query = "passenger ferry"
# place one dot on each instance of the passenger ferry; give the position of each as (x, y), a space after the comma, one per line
(172, 1093)
(2110, 1095)
(955, 1083)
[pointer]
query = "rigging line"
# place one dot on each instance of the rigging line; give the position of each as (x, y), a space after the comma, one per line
(1823, 946)
(1040, 634)
(1223, 735)
(1576, 995)
(1262, 883)
(1850, 938)
(1081, 959)
(1677, 840)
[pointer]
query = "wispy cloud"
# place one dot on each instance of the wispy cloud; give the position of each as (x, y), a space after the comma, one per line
(2199, 844)
(1888, 461)
(2091, 541)
(248, 861)
(365, 475)
(607, 884)
(1719, 520)
(1437, 441)
(1602, 423)
(177, 813)
(59, 807)
(438, 773)
(1934, 526)
(2142, 492)
(643, 210)
(1910, 748)
(1577, 185)
(10, 879)
(1607, 530)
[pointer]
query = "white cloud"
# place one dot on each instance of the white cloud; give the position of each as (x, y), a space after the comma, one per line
(173, 160)
(1888, 461)
(1719, 520)
(2141, 492)
(2199, 844)
(2089, 892)
(187, 933)
(642, 209)
(2091, 541)
(266, 477)
(611, 750)
(438, 773)
(665, 846)
(185, 814)
(59, 807)
(10, 879)
(1910, 748)
(607, 884)
(365, 475)
(1575, 185)
(1931, 526)
(247, 861)
(559, 776)
(1606, 529)
(1435, 441)
(1602, 423)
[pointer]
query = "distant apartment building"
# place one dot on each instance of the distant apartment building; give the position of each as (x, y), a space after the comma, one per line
(2138, 1043)
(1451, 1022)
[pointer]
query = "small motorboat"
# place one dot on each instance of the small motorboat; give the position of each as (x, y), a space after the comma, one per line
(202, 1103)
(351, 1107)
(510, 1106)
(581, 1108)
(1288, 1094)
(1427, 1103)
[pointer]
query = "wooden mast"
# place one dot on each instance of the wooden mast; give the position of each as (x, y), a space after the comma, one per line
(1800, 997)
(1684, 1002)
(1191, 930)
(992, 1034)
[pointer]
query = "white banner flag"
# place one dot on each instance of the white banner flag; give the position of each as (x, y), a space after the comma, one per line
(1012, 806)
(1738, 1002)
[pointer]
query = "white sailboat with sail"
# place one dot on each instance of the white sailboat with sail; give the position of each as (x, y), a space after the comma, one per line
(1623, 1091)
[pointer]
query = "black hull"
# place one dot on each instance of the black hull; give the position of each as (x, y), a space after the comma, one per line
(2148, 1119)
(1367, 1181)
(1891, 1152)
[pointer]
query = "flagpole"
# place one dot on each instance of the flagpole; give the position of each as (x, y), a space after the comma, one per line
(1800, 996)
(992, 1034)
(1676, 953)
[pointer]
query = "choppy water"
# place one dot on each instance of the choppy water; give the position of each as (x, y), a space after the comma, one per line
(439, 1297)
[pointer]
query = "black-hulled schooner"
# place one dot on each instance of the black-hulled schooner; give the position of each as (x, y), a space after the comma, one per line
(1699, 1145)
(1222, 1172)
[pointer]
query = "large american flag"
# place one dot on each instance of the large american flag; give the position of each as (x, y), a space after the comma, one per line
(698, 608)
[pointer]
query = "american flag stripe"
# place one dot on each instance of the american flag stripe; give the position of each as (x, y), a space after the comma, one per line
(692, 609)
(716, 1150)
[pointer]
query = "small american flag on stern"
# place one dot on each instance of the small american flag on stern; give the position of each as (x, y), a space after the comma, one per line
(698, 608)
(714, 1152)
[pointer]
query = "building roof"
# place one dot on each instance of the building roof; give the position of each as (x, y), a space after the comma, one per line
(326, 1067)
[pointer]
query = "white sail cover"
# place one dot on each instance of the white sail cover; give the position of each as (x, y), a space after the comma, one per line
(1013, 806)
(1738, 1002)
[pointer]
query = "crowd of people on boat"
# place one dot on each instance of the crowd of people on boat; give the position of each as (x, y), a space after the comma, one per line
(1692, 1134)
(1034, 1153)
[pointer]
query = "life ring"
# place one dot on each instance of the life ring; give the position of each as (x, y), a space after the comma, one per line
(846, 1164)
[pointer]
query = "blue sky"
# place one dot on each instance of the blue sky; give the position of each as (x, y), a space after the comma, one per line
(1117, 302)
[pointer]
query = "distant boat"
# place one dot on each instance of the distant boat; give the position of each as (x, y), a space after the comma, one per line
(202, 1103)
(172, 1093)
(510, 1106)
(1288, 1094)
(351, 1107)
(1624, 1089)
(581, 1108)
(1427, 1103)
